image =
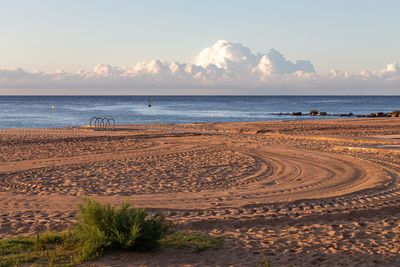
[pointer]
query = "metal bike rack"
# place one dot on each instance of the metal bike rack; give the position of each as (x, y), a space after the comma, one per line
(102, 123)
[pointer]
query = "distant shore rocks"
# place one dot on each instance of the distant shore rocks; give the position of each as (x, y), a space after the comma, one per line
(315, 112)
(345, 114)
(395, 113)
(382, 114)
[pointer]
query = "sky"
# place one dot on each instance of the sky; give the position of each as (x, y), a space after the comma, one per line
(65, 47)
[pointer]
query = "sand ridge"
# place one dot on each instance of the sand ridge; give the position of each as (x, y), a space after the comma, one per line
(294, 191)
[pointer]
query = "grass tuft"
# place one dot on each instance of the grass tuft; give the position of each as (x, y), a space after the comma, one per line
(46, 249)
(200, 242)
(264, 262)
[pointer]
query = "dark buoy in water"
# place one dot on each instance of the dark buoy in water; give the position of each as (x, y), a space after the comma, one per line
(149, 104)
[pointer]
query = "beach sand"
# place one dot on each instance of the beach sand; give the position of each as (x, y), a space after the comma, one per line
(302, 193)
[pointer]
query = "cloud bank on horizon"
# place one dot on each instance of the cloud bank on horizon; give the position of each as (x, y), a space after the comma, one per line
(224, 68)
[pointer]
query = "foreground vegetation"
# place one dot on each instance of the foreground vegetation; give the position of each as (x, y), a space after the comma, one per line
(101, 229)
(199, 242)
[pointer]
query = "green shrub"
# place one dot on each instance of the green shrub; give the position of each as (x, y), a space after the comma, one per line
(103, 227)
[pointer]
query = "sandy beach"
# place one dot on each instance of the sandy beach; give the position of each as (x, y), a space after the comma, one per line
(302, 193)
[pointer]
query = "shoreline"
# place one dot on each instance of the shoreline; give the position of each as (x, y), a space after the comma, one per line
(267, 185)
(315, 118)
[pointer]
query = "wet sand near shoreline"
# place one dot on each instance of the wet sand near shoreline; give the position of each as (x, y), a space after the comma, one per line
(302, 193)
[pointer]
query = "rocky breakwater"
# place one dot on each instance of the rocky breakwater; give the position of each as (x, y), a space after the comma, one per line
(315, 112)
(382, 114)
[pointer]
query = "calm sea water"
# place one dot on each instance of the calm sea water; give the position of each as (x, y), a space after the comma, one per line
(36, 112)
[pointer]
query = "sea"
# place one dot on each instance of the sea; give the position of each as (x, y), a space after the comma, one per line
(66, 111)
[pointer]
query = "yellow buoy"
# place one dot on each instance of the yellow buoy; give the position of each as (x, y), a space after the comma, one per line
(52, 107)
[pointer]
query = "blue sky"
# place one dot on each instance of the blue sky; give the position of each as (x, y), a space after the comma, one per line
(48, 35)
(350, 36)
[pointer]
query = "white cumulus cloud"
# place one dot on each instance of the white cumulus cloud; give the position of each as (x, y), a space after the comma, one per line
(224, 68)
(234, 58)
